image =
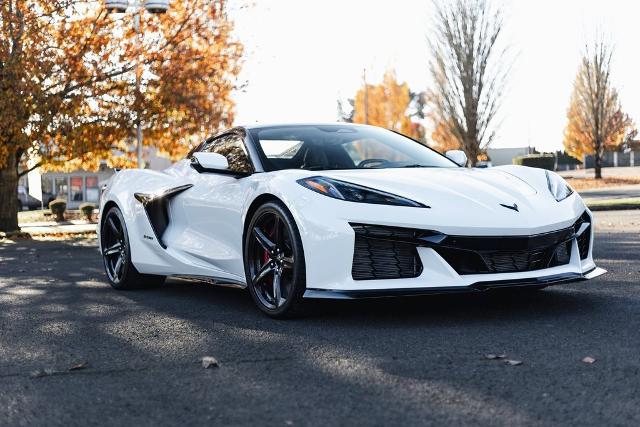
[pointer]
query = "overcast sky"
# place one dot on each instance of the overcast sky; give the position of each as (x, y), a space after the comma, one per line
(302, 55)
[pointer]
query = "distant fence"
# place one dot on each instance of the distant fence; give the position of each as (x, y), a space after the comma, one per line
(612, 159)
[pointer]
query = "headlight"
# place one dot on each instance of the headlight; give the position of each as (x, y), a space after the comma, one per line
(559, 189)
(355, 193)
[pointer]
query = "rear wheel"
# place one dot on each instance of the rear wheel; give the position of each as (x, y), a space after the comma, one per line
(274, 261)
(116, 255)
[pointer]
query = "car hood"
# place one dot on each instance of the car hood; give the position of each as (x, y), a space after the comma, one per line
(447, 187)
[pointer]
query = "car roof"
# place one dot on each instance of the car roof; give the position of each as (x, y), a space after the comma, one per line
(269, 125)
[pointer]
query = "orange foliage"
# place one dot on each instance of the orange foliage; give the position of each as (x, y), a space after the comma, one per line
(67, 89)
(387, 105)
(443, 139)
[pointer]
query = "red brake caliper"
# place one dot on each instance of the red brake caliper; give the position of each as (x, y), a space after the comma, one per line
(265, 256)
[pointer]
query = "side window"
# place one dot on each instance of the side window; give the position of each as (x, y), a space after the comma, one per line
(232, 147)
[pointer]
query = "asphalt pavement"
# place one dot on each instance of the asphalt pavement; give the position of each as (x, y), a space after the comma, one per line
(410, 361)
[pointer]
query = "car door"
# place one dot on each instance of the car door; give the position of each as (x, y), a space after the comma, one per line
(208, 217)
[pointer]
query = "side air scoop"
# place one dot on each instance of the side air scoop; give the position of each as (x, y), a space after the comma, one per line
(156, 207)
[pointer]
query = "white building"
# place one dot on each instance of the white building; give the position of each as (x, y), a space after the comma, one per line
(505, 156)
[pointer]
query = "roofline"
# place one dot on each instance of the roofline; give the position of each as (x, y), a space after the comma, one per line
(268, 125)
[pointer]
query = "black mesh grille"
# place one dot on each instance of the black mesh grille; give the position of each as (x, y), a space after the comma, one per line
(503, 262)
(509, 254)
(375, 257)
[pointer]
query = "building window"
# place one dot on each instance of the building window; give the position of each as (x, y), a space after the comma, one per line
(47, 186)
(93, 193)
(61, 188)
(76, 189)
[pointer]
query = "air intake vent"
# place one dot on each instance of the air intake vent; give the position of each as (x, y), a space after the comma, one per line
(584, 239)
(376, 256)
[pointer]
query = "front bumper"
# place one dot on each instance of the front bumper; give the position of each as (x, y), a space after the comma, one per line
(329, 240)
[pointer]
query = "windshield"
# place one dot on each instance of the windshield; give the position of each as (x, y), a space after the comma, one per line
(328, 147)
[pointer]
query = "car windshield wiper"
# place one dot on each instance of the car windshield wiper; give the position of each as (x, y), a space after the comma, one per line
(415, 166)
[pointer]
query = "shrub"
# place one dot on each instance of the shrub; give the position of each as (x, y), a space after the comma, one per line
(58, 208)
(542, 161)
(87, 210)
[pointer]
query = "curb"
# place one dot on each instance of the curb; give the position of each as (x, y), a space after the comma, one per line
(618, 207)
(26, 235)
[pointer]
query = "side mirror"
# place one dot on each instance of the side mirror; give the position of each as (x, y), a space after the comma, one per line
(457, 156)
(209, 161)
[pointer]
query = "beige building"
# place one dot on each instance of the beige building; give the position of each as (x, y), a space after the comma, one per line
(83, 186)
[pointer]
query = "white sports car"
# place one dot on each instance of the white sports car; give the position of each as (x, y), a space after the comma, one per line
(340, 211)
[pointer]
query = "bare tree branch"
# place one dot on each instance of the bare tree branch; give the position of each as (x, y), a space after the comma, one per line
(468, 71)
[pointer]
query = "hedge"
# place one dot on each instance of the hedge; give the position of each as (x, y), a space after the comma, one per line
(542, 161)
(58, 208)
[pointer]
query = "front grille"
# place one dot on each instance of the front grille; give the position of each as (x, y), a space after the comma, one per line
(508, 254)
(391, 252)
(378, 256)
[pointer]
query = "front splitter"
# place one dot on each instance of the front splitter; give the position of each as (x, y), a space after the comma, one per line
(535, 282)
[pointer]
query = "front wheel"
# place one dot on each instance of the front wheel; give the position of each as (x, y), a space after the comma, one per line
(116, 255)
(274, 261)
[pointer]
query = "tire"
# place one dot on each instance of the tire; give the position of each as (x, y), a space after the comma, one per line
(19, 205)
(116, 255)
(274, 261)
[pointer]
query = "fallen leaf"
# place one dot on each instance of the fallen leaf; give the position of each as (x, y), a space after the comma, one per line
(209, 361)
(42, 373)
(589, 360)
(82, 365)
(513, 362)
(494, 356)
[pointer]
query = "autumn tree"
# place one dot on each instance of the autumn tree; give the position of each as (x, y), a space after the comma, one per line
(389, 104)
(66, 83)
(442, 138)
(468, 71)
(596, 121)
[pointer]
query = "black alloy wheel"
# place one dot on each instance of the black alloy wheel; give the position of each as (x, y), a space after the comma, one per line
(274, 261)
(116, 255)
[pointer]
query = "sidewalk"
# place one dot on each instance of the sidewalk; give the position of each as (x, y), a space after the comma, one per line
(620, 192)
(52, 227)
(620, 172)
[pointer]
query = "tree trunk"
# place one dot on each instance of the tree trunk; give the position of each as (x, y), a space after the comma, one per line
(9, 195)
(597, 160)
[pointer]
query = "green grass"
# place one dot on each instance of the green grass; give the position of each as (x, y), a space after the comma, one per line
(614, 204)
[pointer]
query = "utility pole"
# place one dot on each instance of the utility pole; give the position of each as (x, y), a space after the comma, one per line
(136, 24)
(366, 97)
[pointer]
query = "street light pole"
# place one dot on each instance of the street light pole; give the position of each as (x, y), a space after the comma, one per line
(153, 6)
(136, 24)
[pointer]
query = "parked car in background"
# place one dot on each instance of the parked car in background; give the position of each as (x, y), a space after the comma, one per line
(30, 202)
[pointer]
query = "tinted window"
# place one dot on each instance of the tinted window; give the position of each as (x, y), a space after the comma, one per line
(317, 147)
(232, 147)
